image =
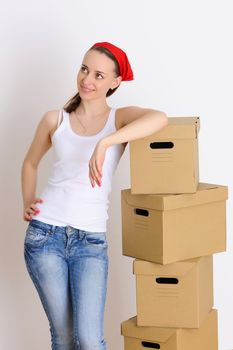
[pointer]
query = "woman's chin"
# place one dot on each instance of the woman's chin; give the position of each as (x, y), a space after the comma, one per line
(86, 94)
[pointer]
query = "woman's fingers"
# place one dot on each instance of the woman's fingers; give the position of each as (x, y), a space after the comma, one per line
(33, 205)
(38, 200)
(97, 166)
(91, 176)
(94, 174)
(91, 179)
(97, 171)
(26, 217)
(32, 209)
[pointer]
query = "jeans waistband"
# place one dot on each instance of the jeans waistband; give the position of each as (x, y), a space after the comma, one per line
(52, 228)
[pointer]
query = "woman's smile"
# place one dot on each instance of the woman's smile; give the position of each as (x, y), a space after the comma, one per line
(85, 89)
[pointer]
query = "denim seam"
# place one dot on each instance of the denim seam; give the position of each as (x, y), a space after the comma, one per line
(40, 292)
(75, 330)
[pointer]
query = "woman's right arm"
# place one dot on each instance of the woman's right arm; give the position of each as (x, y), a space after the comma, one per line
(39, 146)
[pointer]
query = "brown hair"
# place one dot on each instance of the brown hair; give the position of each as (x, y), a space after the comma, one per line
(74, 101)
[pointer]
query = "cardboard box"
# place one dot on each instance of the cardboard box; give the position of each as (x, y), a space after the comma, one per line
(203, 338)
(167, 228)
(166, 161)
(174, 295)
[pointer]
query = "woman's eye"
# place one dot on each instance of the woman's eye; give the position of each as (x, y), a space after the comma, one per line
(99, 75)
(83, 68)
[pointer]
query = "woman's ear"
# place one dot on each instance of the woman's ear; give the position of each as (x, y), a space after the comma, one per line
(116, 82)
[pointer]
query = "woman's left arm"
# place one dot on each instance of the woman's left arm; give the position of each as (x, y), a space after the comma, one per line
(135, 123)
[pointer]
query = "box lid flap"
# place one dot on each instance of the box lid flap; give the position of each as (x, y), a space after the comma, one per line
(129, 328)
(205, 193)
(179, 268)
(177, 128)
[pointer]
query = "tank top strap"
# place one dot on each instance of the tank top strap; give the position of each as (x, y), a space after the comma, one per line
(112, 118)
(59, 118)
(65, 116)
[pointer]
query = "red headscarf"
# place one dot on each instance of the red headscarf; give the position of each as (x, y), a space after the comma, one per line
(125, 69)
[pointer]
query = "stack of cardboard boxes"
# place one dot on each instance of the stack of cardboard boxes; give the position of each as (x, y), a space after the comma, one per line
(172, 224)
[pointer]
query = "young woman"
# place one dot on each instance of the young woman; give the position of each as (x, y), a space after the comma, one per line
(65, 246)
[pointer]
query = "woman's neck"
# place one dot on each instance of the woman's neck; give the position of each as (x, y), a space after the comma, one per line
(92, 108)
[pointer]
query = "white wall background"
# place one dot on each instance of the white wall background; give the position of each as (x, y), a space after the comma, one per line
(181, 53)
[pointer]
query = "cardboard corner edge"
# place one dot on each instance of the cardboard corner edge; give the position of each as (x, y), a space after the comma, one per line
(198, 124)
(135, 263)
(127, 324)
(125, 193)
(121, 329)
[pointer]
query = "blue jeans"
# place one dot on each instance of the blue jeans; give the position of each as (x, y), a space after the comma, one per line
(69, 268)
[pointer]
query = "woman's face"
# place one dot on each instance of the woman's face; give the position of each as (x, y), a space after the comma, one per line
(96, 76)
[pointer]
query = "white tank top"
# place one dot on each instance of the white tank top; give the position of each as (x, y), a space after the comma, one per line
(69, 198)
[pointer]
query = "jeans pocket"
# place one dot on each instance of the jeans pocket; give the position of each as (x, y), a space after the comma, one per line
(96, 239)
(36, 236)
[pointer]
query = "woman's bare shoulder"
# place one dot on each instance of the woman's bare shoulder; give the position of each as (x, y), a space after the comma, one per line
(50, 118)
(42, 138)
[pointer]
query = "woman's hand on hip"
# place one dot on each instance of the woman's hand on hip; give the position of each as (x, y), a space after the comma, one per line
(31, 210)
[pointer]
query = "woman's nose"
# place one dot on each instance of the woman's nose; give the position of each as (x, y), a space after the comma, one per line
(87, 79)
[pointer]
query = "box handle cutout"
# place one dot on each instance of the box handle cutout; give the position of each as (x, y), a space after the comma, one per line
(148, 344)
(142, 212)
(156, 145)
(167, 280)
